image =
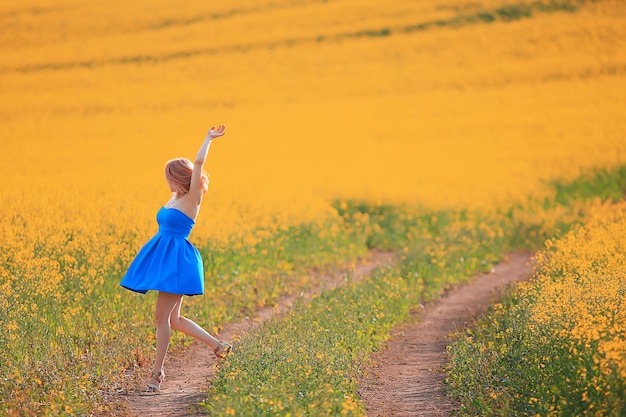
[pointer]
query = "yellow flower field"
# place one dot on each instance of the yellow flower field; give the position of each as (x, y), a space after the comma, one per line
(97, 97)
(557, 346)
(589, 292)
(427, 103)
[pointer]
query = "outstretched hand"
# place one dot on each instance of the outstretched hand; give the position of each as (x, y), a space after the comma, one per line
(216, 133)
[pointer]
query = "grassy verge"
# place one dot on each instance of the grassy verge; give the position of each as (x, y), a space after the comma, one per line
(557, 346)
(304, 363)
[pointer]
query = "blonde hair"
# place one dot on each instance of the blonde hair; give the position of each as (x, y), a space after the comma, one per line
(178, 173)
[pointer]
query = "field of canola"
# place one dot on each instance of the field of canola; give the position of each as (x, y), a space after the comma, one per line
(439, 105)
(557, 346)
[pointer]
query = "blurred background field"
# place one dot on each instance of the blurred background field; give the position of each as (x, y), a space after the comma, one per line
(322, 100)
(441, 105)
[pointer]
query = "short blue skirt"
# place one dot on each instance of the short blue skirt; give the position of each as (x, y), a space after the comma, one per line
(168, 262)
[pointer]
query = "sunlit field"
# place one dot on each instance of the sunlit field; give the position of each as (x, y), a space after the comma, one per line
(557, 346)
(471, 108)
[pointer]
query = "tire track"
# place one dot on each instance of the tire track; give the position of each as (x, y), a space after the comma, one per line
(188, 374)
(406, 379)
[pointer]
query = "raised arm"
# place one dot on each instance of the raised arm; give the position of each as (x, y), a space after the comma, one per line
(195, 188)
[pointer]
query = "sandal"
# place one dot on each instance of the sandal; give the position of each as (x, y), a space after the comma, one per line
(155, 380)
(222, 350)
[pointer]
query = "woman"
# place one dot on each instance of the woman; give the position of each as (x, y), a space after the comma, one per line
(170, 264)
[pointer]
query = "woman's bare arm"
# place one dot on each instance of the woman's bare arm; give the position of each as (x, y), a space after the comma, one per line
(195, 188)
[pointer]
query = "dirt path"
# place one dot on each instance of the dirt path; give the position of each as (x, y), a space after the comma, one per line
(186, 381)
(407, 377)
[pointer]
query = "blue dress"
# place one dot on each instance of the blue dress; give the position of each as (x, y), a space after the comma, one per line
(168, 262)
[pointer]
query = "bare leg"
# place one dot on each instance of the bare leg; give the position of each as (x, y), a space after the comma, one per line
(165, 304)
(190, 328)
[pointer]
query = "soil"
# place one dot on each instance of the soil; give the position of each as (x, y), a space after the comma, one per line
(406, 378)
(188, 373)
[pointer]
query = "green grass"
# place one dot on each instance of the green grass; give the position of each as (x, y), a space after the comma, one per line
(607, 184)
(305, 363)
(504, 13)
